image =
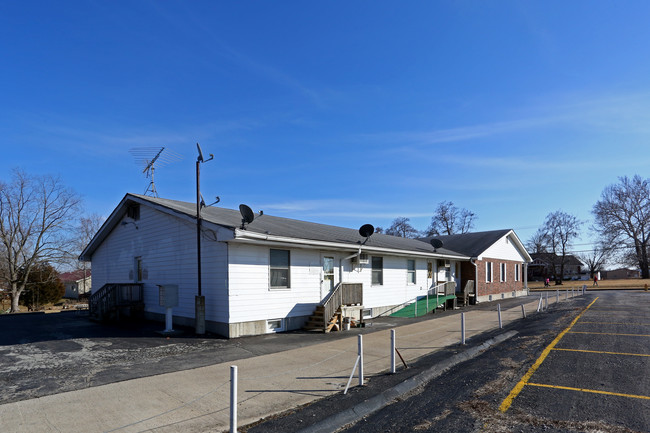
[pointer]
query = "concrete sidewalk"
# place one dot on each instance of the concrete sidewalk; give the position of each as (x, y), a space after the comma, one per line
(197, 400)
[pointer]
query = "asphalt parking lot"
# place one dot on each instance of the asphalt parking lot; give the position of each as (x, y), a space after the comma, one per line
(597, 369)
(43, 354)
(467, 398)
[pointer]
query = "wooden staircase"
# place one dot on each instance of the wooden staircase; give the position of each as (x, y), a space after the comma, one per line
(328, 316)
(115, 300)
(317, 322)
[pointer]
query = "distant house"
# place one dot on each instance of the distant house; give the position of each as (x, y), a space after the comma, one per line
(620, 274)
(272, 274)
(76, 283)
(497, 265)
(547, 265)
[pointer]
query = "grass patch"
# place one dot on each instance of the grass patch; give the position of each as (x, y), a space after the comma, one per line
(631, 284)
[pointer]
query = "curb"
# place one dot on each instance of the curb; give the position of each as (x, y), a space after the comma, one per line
(373, 404)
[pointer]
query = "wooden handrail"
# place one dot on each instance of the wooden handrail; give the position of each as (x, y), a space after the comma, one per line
(343, 294)
(446, 288)
(443, 289)
(112, 295)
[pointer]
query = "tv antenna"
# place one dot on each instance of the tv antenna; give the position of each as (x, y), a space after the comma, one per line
(150, 158)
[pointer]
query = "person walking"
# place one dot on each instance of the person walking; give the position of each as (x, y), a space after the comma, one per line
(595, 280)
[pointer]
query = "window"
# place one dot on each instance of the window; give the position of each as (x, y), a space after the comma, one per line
(377, 271)
(488, 272)
(133, 212)
(274, 325)
(517, 271)
(410, 271)
(502, 272)
(138, 269)
(280, 269)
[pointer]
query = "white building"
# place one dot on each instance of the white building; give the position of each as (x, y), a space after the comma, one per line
(76, 283)
(265, 276)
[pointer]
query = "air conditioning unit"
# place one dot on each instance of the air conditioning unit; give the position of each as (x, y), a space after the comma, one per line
(361, 259)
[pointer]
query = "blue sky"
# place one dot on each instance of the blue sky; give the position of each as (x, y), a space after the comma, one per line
(336, 112)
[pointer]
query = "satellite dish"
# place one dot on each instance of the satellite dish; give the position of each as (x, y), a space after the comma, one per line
(200, 157)
(436, 243)
(366, 230)
(247, 215)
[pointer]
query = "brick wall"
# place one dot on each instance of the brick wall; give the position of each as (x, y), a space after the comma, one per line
(496, 286)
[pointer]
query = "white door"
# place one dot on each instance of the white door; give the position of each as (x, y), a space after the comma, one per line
(327, 282)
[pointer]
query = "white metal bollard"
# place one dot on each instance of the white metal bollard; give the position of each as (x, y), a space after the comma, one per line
(392, 351)
(360, 360)
(427, 303)
(546, 302)
(499, 314)
(416, 307)
(462, 328)
(572, 293)
(233, 399)
(557, 296)
(566, 294)
(584, 289)
(523, 311)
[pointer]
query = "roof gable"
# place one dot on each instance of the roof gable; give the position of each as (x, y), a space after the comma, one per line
(476, 243)
(74, 275)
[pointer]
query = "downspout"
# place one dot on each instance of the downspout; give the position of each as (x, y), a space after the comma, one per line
(357, 254)
(526, 278)
(473, 261)
(353, 255)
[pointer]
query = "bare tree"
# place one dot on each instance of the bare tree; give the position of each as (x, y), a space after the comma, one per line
(623, 215)
(449, 220)
(87, 227)
(560, 230)
(596, 259)
(401, 227)
(537, 243)
(36, 214)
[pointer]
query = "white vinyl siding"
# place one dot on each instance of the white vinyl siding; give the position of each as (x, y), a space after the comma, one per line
(167, 247)
(504, 251)
(249, 294)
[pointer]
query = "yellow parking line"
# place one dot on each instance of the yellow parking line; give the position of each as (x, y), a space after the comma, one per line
(505, 405)
(608, 333)
(615, 323)
(593, 391)
(601, 352)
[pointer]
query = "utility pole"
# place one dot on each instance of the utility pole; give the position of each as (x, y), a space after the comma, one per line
(199, 300)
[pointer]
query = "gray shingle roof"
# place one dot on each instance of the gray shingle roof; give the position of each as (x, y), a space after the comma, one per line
(470, 244)
(290, 228)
